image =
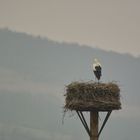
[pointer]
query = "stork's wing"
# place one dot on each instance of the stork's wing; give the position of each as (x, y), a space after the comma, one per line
(98, 68)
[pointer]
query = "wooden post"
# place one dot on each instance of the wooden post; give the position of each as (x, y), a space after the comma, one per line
(94, 125)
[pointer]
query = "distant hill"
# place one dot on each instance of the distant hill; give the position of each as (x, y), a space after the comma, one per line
(33, 75)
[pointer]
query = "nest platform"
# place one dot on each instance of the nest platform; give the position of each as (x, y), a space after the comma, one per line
(91, 96)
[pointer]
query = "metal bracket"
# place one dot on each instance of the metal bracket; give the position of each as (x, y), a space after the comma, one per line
(82, 118)
(106, 118)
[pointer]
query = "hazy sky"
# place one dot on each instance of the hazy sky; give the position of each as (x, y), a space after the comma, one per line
(108, 24)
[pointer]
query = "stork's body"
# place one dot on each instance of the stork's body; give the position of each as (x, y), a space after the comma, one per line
(97, 69)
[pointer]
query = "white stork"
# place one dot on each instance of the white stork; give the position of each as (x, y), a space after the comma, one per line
(97, 69)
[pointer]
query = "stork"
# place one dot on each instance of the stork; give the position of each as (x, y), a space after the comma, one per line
(97, 69)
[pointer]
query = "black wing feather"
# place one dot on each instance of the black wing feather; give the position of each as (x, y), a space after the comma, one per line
(98, 72)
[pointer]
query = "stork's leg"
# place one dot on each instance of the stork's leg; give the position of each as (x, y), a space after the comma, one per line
(95, 79)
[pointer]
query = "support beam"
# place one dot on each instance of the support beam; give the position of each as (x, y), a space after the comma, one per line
(106, 118)
(86, 125)
(82, 118)
(94, 125)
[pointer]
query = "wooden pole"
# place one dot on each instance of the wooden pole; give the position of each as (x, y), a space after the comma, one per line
(94, 125)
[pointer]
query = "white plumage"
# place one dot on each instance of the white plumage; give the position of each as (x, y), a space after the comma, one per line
(97, 69)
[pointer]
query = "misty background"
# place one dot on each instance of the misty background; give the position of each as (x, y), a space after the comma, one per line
(107, 24)
(33, 74)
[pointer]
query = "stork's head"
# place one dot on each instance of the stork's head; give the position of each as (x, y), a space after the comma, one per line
(96, 61)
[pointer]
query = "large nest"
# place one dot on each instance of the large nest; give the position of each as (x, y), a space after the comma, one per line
(90, 96)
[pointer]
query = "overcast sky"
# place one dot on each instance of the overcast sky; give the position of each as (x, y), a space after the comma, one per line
(108, 24)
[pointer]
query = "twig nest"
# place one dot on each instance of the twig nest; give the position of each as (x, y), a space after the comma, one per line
(91, 96)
